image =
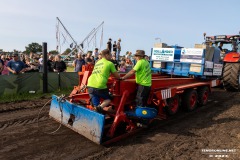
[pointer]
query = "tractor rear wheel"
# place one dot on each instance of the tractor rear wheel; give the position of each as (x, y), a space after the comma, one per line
(203, 93)
(172, 105)
(231, 76)
(190, 99)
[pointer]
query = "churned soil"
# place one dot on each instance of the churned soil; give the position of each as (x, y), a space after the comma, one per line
(215, 126)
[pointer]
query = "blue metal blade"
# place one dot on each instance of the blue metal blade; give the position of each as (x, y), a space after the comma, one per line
(86, 122)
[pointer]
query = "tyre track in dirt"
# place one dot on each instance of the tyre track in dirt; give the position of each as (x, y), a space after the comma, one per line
(21, 121)
(19, 134)
(37, 145)
(176, 140)
(22, 105)
(178, 136)
(25, 115)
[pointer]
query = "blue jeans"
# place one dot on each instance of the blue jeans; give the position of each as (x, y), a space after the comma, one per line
(95, 95)
(142, 95)
(118, 54)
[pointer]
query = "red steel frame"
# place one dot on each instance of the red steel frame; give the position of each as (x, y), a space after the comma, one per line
(232, 57)
(124, 93)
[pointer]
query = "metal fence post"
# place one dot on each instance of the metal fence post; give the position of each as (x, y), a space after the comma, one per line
(45, 70)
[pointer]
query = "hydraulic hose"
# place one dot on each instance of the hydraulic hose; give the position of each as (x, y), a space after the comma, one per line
(60, 100)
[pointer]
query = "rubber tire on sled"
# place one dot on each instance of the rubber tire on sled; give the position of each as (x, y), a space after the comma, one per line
(231, 76)
(172, 105)
(203, 94)
(189, 101)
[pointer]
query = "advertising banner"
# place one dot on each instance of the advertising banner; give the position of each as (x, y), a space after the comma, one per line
(208, 72)
(217, 70)
(163, 54)
(195, 68)
(191, 55)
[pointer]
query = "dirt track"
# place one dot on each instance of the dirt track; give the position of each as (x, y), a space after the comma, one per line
(215, 126)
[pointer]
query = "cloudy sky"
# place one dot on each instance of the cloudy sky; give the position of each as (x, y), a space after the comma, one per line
(137, 22)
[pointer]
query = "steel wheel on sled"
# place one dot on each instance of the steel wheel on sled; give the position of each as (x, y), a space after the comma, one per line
(172, 105)
(189, 101)
(203, 94)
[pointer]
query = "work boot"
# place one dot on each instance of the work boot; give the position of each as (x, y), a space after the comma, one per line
(110, 110)
(98, 109)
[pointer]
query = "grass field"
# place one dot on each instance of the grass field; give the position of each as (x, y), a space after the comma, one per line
(27, 96)
(70, 69)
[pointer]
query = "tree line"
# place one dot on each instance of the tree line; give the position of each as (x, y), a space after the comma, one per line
(35, 48)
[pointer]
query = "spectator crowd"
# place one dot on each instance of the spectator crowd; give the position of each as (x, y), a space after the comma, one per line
(21, 63)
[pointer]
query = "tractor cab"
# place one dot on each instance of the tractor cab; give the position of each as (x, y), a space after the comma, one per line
(229, 46)
(230, 55)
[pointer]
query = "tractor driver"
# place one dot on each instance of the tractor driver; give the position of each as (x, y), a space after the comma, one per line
(97, 82)
(222, 53)
(143, 78)
(220, 46)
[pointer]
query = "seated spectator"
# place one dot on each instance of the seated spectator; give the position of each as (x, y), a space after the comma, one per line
(5, 62)
(59, 65)
(15, 66)
(122, 66)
